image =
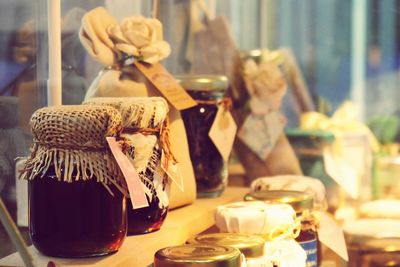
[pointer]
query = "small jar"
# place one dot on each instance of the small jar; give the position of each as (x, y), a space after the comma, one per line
(209, 167)
(198, 256)
(302, 203)
(251, 246)
(75, 190)
(144, 121)
(372, 241)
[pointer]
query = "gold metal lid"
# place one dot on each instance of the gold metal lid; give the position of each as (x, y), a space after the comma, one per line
(198, 256)
(203, 82)
(251, 246)
(300, 201)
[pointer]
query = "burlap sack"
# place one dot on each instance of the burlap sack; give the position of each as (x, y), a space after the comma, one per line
(128, 81)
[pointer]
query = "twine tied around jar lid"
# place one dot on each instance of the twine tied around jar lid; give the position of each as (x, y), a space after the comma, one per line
(72, 139)
(225, 102)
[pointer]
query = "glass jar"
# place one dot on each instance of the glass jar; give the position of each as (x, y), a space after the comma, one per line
(199, 256)
(372, 241)
(251, 246)
(209, 167)
(144, 120)
(302, 203)
(78, 219)
(75, 189)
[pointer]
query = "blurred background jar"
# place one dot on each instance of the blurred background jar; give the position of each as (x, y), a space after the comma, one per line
(210, 168)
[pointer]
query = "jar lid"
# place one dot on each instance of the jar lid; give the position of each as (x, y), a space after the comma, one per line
(203, 82)
(300, 183)
(198, 255)
(251, 246)
(300, 201)
(254, 217)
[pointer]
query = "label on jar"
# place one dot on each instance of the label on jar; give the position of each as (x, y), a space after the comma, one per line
(311, 249)
(223, 132)
(166, 84)
(135, 186)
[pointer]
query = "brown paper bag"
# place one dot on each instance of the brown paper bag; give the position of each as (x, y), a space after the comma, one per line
(130, 82)
(219, 55)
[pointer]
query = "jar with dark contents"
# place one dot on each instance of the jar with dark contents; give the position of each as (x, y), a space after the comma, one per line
(303, 204)
(209, 167)
(144, 122)
(75, 190)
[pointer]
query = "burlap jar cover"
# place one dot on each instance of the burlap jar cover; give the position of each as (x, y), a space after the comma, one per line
(72, 140)
(144, 139)
(120, 80)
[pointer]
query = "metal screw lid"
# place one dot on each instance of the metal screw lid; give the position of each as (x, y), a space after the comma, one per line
(250, 245)
(300, 201)
(203, 82)
(198, 256)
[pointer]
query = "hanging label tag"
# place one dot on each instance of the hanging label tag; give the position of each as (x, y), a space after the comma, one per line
(331, 235)
(172, 170)
(135, 186)
(223, 132)
(260, 133)
(341, 171)
(166, 84)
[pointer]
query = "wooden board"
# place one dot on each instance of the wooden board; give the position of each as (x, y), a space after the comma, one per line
(138, 251)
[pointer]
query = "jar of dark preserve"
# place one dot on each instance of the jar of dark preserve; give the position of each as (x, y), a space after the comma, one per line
(144, 121)
(209, 167)
(76, 192)
(303, 204)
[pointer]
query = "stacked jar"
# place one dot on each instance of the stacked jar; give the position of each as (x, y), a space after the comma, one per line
(76, 191)
(275, 223)
(303, 204)
(209, 166)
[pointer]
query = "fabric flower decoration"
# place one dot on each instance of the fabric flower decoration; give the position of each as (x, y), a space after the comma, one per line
(140, 37)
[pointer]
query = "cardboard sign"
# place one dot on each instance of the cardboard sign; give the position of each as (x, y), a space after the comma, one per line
(166, 84)
(261, 132)
(331, 235)
(135, 186)
(223, 132)
(172, 170)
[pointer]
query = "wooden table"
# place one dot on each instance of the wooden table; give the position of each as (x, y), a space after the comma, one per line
(138, 251)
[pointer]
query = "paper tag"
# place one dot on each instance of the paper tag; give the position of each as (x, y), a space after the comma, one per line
(166, 84)
(135, 186)
(341, 171)
(331, 235)
(223, 132)
(260, 133)
(172, 170)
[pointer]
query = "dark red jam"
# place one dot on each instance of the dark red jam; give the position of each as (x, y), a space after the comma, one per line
(209, 167)
(78, 219)
(145, 220)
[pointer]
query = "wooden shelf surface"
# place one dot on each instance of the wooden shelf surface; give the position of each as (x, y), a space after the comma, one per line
(138, 251)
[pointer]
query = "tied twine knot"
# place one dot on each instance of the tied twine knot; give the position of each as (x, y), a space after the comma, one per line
(225, 102)
(163, 133)
(307, 221)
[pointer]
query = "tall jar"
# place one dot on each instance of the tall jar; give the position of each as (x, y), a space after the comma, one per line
(198, 256)
(75, 189)
(209, 167)
(145, 123)
(303, 204)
